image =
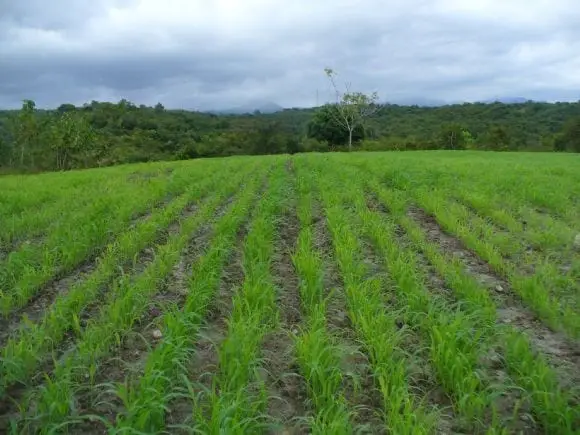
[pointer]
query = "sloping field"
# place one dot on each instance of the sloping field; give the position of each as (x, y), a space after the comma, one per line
(401, 293)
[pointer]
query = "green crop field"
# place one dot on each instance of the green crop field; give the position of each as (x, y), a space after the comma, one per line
(400, 293)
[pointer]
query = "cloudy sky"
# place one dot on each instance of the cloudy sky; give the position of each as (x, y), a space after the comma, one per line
(205, 54)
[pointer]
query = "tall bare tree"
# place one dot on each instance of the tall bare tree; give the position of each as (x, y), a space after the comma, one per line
(352, 107)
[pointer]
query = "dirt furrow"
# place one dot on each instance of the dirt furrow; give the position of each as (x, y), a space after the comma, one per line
(562, 353)
(286, 388)
(435, 283)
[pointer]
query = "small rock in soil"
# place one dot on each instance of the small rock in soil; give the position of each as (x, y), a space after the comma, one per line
(157, 334)
(498, 288)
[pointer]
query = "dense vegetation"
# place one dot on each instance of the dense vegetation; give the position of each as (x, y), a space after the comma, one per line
(102, 134)
(401, 293)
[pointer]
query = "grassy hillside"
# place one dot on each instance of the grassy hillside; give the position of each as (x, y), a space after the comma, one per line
(405, 293)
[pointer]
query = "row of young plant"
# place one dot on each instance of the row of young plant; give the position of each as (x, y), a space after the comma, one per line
(485, 191)
(80, 235)
(541, 231)
(42, 211)
(543, 245)
(526, 183)
(545, 251)
(237, 400)
(374, 322)
(516, 197)
(546, 291)
(164, 377)
(535, 248)
(48, 201)
(475, 329)
(52, 406)
(454, 338)
(318, 352)
(20, 194)
(30, 344)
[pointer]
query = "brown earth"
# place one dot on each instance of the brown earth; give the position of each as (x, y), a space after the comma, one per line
(284, 384)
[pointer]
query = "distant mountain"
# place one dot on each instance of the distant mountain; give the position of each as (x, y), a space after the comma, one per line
(270, 107)
(262, 107)
(418, 101)
(430, 102)
(507, 100)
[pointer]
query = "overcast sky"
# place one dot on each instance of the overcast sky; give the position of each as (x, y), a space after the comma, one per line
(203, 54)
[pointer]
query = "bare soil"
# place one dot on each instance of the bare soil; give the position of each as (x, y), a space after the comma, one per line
(285, 386)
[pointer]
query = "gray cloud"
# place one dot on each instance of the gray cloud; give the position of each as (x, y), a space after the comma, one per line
(198, 54)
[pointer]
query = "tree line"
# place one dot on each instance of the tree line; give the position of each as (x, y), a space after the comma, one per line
(104, 133)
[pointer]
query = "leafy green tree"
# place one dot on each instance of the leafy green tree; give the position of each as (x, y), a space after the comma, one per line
(292, 145)
(324, 128)
(5, 152)
(496, 138)
(268, 139)
(66, 108)
(352, 108)
(452, 137)
(468, 139)
(569, 138)
(25, 131)
(72, 138)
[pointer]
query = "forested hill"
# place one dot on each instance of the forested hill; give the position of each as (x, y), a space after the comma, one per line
(99, 134)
